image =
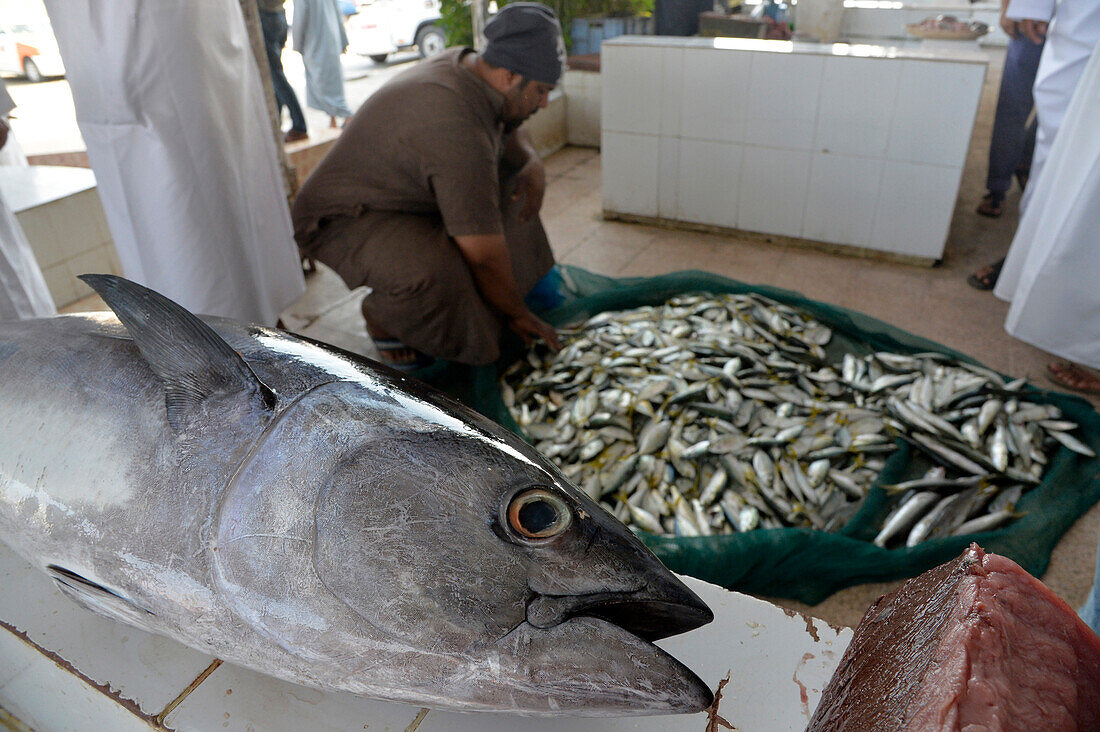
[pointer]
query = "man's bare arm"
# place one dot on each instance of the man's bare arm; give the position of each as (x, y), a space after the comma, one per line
(491, 265)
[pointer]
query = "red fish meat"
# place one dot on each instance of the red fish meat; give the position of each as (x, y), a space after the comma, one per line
(975, 644)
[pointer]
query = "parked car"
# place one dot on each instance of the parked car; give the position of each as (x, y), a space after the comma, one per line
(31, 50)
(382, 27)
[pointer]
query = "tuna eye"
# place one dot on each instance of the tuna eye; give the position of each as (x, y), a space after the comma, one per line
(538, 514)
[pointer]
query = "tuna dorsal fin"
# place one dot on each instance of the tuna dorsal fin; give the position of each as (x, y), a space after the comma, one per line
(190, 358)
(98, 598)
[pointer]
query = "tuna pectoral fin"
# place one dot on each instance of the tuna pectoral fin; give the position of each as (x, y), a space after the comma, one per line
(190, 358)
(97, 598)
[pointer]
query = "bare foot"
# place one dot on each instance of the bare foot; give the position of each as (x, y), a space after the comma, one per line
(1072, 376)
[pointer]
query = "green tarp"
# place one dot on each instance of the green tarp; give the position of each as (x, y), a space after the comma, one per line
(804, 564)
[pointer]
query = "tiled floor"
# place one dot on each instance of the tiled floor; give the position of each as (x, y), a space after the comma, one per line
(932, 302)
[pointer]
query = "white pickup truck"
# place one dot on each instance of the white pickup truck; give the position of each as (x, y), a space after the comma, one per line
(382, 27)
(29, 49)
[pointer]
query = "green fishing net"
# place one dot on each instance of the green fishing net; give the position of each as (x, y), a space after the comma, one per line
(801, 563)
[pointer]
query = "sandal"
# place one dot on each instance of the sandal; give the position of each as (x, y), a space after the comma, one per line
(397, 355)
(1072, 376)
(991, 204)
(986, 277)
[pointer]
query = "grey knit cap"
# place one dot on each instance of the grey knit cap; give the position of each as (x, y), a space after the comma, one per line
(525, 38)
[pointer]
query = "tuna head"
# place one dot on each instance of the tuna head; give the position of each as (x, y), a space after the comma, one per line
(382, 539)
(425, 555)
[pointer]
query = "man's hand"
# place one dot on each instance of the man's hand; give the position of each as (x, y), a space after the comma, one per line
(528, 327)
(1033, 30)
(3, 132)
(1009, 25)
(530, 184)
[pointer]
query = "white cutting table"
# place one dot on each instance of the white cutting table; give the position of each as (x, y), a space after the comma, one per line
(63, 668)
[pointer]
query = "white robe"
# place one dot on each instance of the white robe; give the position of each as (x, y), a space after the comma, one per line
(23, 291)
(170, 104)
(1052, 272)
(318, 34)
(1074, 30)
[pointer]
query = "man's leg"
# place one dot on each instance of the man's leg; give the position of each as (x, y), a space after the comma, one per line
(422, 292)
(275, 32)
(1014, 104)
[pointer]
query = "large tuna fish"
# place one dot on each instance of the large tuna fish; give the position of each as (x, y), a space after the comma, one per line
(300, 511)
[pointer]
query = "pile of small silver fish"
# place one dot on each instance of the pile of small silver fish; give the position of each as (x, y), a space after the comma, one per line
(714, 414)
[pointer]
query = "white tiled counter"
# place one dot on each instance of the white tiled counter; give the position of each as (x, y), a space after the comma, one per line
(858, 146)
(64, 668)
(59, 210)
(883, 19)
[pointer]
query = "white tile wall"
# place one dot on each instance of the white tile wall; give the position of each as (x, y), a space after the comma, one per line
(914, 209)
(841, 200)
(715, 87)
(37, 225)
(803, 141)
(669, 189)
(773, 190)
(889, 22)
(630, 78)
(630, 172)
(69, 237)
(582, 108)
(855, 115)
(783, 97)
(671, 85)
(935, 112)
(709, 182)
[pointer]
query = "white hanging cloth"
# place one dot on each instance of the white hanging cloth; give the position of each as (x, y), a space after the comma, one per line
(170, 104)
(1074, 29)
(1052, 271)
(23, 291)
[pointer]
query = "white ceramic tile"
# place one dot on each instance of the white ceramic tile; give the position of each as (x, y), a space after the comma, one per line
(669, 188)
(93, 261)
(709, 182)
(914, 209)
(669, 90)
(60, 284)
(240, 700)
(43, 696)
(783, 99)
(103, 232)
(629, 98)
(857, 106)
(715, 89)
(75, 226)
(629, 166)
(582, 119)
(27, 187)
(802, 48)
(590, 113)
(773, 190)
(112, 257)
(840, 202)
(149, 669)
(935, 110)
(37, 225)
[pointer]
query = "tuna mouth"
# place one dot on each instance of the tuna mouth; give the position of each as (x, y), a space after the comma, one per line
(649, 614)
